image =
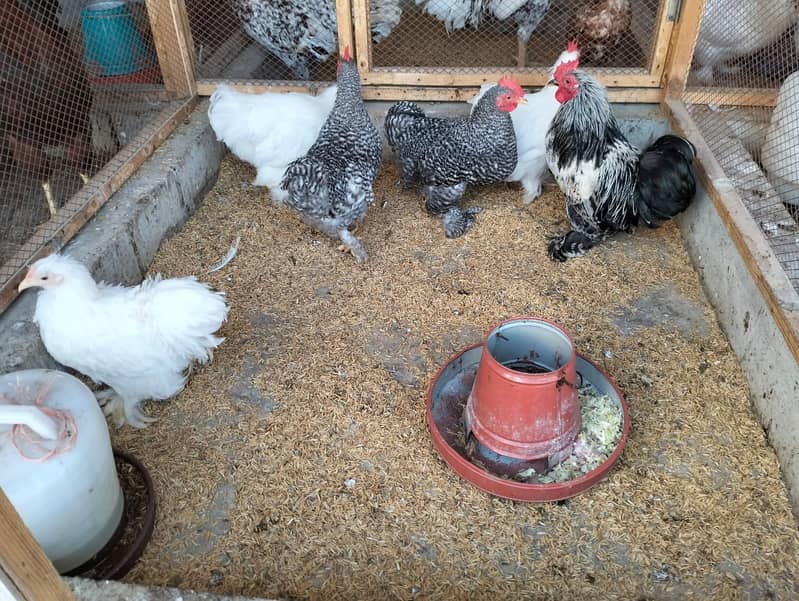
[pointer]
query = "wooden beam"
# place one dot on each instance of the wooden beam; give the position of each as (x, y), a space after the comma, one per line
(664, 28)
(26, 573)
(169, 23)
(681, 50)
(83, 205)
(771, 279)
(206, 87)
(363, 37)
(731, 96)
(344, 20)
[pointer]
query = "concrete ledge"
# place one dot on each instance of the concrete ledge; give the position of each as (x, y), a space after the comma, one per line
(119, 243)
(110, 590)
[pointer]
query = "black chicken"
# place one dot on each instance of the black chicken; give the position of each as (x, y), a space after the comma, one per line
(447, 155)
(609, 184)
(331, 186)
(45, 98)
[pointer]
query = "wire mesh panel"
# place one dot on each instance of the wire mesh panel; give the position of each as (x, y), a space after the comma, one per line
(743, 95)
(291, 40)
(422, 39)
(79, 82)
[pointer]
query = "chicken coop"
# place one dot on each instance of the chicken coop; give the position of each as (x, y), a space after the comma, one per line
(89, 91)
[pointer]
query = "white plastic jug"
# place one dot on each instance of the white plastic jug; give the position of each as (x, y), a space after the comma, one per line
(65, 487)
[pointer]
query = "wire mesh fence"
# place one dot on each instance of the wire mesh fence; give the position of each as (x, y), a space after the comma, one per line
(743, 95)
(502, 34)
(78, 82)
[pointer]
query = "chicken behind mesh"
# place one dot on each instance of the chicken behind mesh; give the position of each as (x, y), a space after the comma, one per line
(600, 27)
(138, 340)
(269, 130)
(330, 187)
(299, 32)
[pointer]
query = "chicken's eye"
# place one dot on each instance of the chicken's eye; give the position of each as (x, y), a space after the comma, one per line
(44, 277)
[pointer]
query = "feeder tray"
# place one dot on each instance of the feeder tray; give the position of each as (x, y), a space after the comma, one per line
(135, 528)
(446, 400)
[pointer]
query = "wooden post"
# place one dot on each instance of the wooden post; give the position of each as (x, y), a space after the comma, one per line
(681, 51)
(344, 20)
(363, 37)
(169, 22)
(25, 572)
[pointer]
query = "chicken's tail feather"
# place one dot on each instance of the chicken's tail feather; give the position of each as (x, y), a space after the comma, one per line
(666, 182)
(399, 117)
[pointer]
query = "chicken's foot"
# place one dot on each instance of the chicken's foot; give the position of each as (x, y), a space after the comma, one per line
(353, 245)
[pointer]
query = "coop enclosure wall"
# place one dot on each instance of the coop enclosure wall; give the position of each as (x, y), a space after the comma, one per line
(87, 91)
(419, 50)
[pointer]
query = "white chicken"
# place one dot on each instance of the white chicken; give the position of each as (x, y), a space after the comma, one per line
(779, 153)
(138, 340)
(531, 122)
(733, 29)
(269, 130)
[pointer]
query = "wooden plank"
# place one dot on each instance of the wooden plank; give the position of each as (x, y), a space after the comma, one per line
(681, 48)
(344, 21)
(363, 37)
(206, 87)
(772, 281)
(83, 205)
(23, 564)
(664, 28)
(169, 22)
(731, 96)
(641, 78)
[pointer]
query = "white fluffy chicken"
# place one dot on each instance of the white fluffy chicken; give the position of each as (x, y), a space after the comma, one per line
(531, 122)
(138, 340)
(733, 29)
(269, 130)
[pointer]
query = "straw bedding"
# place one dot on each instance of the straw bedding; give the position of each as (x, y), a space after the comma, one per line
(298, 463)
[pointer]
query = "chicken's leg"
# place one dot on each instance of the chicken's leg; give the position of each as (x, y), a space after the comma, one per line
(353, 245)
(48, 194)
(570, 245)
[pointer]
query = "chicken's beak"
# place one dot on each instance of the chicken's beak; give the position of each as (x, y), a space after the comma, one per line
(552, 82)
(29, 281)
(522, 100)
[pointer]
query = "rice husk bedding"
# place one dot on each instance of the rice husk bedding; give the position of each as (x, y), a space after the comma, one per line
(298, 463)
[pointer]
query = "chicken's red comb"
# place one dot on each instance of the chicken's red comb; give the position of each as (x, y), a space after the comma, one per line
(565, 68)
(572, 46)
(512, 85)
(347, 57)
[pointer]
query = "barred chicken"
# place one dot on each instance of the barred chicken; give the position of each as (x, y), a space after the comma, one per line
(138, 340)
(610, 186)
(445, 156)
(331, 186)
(269, 130)
(303, 32)
(531, 122)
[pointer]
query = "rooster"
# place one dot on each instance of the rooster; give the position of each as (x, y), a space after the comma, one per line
(609, 184)
(331, 186)
(300, 31)
(269, 130)
(138, 340)
(446, 155)
(531, 122)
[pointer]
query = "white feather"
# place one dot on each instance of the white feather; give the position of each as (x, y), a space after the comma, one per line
(269, 130)
(139, 340)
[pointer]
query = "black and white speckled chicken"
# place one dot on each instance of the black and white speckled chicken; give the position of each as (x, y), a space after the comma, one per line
(609, 184)
(331, 186)
(447, 155)
(300, 31)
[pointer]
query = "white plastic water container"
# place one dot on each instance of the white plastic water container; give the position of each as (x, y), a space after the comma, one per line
(70, 499)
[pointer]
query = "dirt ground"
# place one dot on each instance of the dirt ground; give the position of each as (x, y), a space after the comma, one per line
(322, 379)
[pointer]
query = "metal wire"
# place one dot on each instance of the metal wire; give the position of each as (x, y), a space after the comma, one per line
(78, 80)
(745, 62)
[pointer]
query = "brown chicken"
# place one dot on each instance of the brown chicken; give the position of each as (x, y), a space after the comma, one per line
(45, 98)
(600, 27)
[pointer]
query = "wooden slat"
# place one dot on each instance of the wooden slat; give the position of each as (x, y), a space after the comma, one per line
(344, 19)
(363, 37)
(426, 77)
(169, 22)
(206, 87)
(731, 96)
(83, 205)
(681, 48)
(663, 31)
(24, 567)
(775, 286)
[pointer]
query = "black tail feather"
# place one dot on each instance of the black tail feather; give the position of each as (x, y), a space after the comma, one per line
(666, 182)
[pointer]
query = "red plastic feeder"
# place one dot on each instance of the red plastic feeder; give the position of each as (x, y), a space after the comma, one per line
(519, 401)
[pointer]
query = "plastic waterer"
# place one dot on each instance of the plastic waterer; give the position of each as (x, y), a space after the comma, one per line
(56, 464)
(112, 43)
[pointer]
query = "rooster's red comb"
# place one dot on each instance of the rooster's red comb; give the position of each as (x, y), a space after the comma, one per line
(347, 57)
(512, 85)
(572, 46)
(566, 66)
